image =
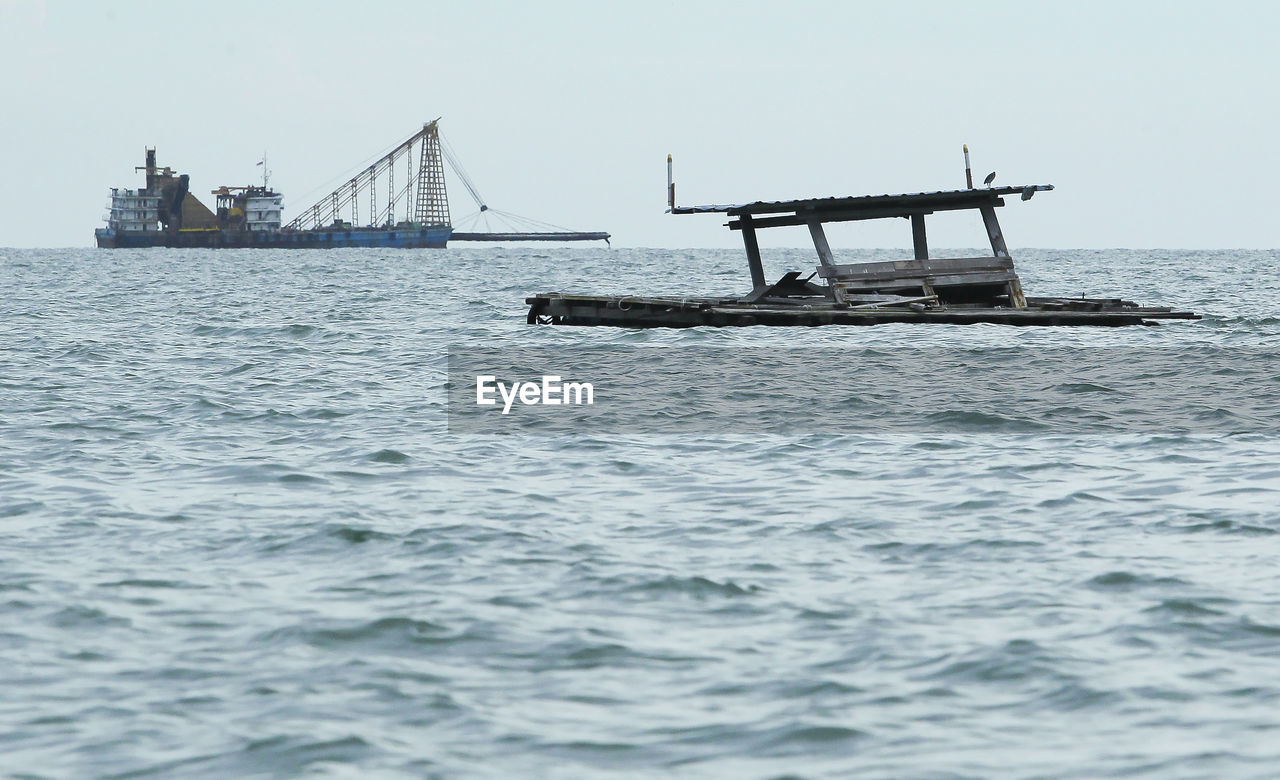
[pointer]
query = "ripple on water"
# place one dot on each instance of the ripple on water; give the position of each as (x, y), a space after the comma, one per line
(696, 587)
(238, 540)
(390, 636)
(1188, 608)
(1128, 581)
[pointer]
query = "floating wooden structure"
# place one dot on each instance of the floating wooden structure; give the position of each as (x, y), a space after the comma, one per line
(920, 290)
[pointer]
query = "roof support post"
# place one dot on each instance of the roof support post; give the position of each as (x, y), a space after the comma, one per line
(918, 237)
(753, 253)
(820, 243)
(1016, 298)
(993, 231)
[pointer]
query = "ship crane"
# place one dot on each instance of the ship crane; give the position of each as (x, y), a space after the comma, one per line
(422, 198)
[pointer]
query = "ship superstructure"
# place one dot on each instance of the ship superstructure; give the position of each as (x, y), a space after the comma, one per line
(134, 211)
(255, 209)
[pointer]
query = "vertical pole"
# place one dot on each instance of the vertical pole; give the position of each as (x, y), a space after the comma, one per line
(993, 231)
(753, 252)
(671, 187)
(918, 237)
(968, 174)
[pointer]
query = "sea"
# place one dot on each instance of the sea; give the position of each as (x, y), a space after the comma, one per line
(246, 530)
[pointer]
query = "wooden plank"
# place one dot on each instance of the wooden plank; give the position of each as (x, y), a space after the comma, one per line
(951, 264)
(993, 231)
(962, 280)
(820, 243)
(861, 285)
(805, 217)
(876, 298)
(1016, 299)
(900, 302)
(825, 257)
(931, 265)
(861, 270)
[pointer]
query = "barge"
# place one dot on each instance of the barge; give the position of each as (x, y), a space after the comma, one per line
(922, 289)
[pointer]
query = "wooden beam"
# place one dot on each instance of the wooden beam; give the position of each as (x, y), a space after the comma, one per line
(753, 253)
(993, 231)
(918, 237)
(904, 202)
(825, 257)
(804, 216)
(820, 243)
(938, 265)
(1016, 297)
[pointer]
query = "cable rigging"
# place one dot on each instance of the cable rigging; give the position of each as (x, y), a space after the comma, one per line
(423, 199)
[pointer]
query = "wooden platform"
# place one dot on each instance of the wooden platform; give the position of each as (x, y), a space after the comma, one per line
(920, 290)
(670, 312)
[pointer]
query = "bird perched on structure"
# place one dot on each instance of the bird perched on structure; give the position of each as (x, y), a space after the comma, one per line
(990, 178)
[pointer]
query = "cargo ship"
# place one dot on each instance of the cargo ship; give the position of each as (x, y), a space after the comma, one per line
(165, 213)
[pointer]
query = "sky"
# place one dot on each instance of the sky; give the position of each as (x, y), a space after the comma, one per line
(1155, 121)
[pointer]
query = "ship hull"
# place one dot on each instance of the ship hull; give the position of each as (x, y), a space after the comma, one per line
(400, 238)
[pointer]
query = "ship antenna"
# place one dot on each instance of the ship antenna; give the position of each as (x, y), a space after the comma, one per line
(266, 174)
(671, 187)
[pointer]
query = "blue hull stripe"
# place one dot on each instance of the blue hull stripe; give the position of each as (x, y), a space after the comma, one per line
(302, 239)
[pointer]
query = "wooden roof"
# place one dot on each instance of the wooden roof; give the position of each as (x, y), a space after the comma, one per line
(868, 206)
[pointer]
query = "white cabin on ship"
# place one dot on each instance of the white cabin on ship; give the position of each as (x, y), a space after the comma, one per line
(262, 212)
(134, 211)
